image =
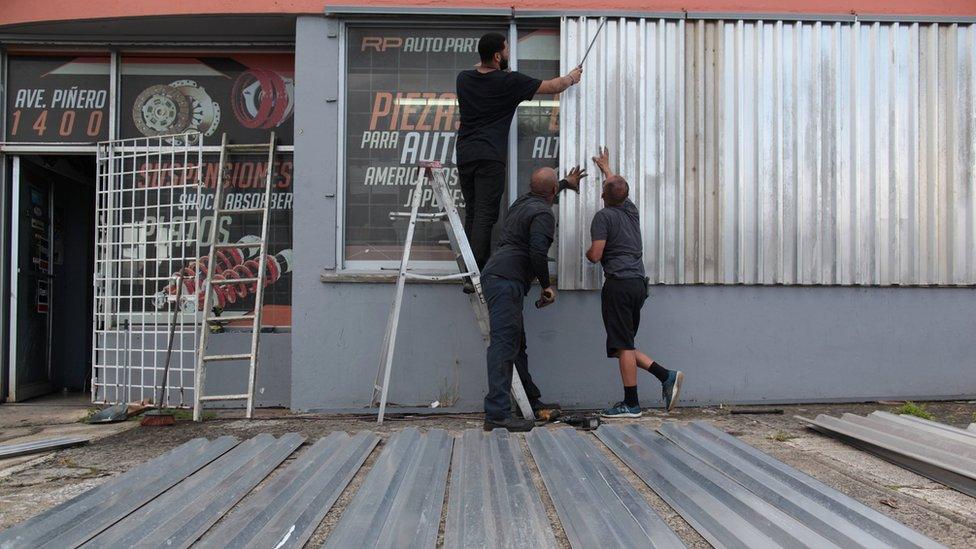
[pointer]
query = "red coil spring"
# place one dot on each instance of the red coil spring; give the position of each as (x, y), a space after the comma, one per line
(195, 272)
(230, 293)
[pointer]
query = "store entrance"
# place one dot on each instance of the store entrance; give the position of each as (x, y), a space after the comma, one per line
(52, 257)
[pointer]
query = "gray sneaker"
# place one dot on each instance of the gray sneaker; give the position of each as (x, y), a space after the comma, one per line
(671, 389)
(621, 409)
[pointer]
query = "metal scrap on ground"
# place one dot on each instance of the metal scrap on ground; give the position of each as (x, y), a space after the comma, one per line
(177, 518)
(596, 504)
(724, 512)
(80, 519)
(400, 502)
(203, 492)
(36, 446)
(286, 512)
(493, 502)
(835, 516)
(940, 452)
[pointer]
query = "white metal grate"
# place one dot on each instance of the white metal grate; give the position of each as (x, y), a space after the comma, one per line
(147, 233)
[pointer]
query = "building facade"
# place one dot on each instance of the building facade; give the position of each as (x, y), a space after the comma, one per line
(805, 179)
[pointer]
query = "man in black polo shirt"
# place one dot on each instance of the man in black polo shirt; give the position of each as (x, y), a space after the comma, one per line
(617, 245)
(522, 255)
(487, 98)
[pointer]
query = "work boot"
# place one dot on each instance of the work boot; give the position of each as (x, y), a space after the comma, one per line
(671, 389)
(539, 405)
(467, 286)
(510, 423)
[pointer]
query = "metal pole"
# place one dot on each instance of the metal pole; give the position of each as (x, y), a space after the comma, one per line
(259, 285)
(391, 328)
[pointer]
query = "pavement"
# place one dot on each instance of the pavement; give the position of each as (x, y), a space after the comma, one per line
(47, 417)
(43, 481)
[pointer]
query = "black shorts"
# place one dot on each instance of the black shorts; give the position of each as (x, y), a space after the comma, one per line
(621, 302)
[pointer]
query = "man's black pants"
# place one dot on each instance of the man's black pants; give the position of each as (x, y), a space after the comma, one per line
(482, 185)
(507, 346)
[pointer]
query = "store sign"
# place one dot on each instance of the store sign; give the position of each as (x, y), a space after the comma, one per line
(401, 108)
(245, 95)
(57, 99)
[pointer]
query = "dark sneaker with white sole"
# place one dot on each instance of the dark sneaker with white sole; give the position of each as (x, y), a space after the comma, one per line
(671, 389)
(621, 409)
(513, 424)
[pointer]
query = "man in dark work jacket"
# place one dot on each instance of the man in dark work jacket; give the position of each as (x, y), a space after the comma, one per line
(487, 98)
(522, 255)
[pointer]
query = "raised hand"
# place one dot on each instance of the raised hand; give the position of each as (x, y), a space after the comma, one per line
(576, 75)
(602, 161)
(573, 178)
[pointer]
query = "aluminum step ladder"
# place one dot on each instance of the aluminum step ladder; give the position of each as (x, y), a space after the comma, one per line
(468, 269)
(213, 284)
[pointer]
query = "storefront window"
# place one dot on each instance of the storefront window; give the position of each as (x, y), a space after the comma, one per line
(57, 98)
(245, 178)
(245, 95)
(401, 108)
(538, 119)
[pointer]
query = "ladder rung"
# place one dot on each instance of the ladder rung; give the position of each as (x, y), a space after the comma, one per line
(227, 357)
(221, 319)
(234, 281)
(207, 398)
(436, 278)
(257, 243)
(246, 146)
(240, 211)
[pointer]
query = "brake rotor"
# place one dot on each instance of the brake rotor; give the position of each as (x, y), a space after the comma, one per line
(204, 111)
(261, 99)
(161, 109)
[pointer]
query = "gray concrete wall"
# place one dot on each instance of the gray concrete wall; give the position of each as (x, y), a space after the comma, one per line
(737, 344)
(272, 388)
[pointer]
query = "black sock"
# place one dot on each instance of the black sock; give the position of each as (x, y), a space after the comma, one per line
(630, 396)
(660, 372)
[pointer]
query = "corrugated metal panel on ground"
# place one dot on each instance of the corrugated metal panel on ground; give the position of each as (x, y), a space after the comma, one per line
(399, 504)
(596, 505)
(78, 520)
(939, 457)
(180, 516)
(286, 512)
(842, 519)
(722, 511)
(934, 427)
(764, 152)
(42, 445)
(493, 502)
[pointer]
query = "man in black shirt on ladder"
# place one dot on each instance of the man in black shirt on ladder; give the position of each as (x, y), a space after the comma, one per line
(487, 98)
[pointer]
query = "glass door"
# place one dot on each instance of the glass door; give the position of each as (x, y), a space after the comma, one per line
(31, 277)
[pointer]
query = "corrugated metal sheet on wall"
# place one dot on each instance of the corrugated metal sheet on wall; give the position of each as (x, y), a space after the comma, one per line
(779, 152)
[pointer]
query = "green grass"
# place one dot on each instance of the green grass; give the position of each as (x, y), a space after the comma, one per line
(973, 418)
(911, 409)
(781, 436)
(88, 414)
